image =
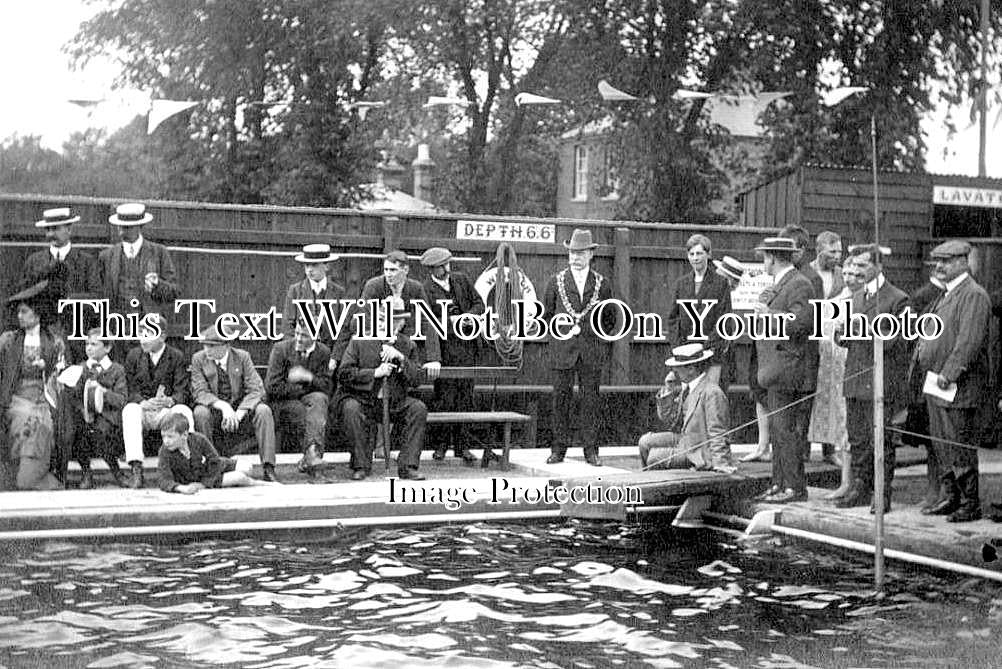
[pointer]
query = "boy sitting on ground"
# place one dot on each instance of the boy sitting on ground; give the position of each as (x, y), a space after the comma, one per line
(188, 462)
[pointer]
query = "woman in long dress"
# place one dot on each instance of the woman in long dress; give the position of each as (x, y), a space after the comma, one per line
(28, 358)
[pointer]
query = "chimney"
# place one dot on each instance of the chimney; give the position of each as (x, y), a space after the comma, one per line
(390, 173)
(424, 174)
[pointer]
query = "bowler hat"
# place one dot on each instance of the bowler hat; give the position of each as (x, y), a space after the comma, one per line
(729, 267)
(52, 218)
(316, 253)
(778, 244)
(435, 256)
(580, 241)
(688, 354)
(950, 249)
(130, 214)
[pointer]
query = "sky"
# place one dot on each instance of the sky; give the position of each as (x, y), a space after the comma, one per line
(37, 81)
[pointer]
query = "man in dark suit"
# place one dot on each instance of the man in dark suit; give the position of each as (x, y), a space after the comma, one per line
(957, 359)
(785, 371)
(137, 269)
(369, 369)
(453, 394)
(576, 290)
(394, 282)
(316, 259)
(879, 296)
(229, 399)
(299, 386)
(158, 380)
(701, 284)
(813, 357)
(69, 271)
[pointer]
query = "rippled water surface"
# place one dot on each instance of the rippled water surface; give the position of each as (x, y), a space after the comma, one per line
(484, 595)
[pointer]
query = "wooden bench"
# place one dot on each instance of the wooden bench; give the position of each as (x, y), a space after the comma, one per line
(505, 418)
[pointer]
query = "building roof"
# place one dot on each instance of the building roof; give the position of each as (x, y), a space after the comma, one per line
(383, 197)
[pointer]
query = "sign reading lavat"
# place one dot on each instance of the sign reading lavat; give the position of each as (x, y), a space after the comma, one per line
(958, 196)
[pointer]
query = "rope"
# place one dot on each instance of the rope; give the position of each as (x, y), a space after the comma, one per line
(507, 288)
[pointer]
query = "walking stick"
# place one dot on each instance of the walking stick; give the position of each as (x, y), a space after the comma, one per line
(386, 426)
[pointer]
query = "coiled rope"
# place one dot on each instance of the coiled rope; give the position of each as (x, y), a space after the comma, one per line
(507, 289)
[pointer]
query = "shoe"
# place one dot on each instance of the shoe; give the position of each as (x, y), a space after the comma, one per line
(763, 456)
(410, 475)
(269, 473)
(593, 460)
(311, 459)
(136, 481)
(858, 495)
(949, 497)
(554, 459)
(468, 458)
(120, 480)
(359, 474)
(87, 480)
(439, 453)
(488, 457)
(964, 514)
(787, 496)
(768, 492)
(970, 502)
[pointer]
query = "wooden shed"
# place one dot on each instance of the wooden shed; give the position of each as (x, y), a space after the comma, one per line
(916, 209)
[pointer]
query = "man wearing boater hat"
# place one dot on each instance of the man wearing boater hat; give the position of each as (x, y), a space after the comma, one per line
(958, 363)
(695, 410)
(69, 271)
(316, 286)
(576, 290)
(136, 268)
(785, 369)
(452, 394)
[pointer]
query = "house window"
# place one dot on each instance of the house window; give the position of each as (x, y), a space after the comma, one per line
(580, 173)
(610, 175)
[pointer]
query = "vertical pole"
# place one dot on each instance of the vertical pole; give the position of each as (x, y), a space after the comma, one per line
(621, 282)
(878, 398)
(983, 90)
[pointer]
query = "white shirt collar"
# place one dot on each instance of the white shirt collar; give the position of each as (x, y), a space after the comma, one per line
(950, 285)
(783, 273)
(33, 336)
(155, 357)
(133, 248)
(876, 284)
(695, 382)
(308, 351)
(60, 252)
(104, 362)
(222, 361)
(442, 282)
(318, 286)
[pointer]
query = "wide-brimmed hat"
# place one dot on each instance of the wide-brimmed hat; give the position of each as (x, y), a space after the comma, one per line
(130, 214)
(31, 294)
(778, 244)
(951, 249)
(436, 256)
(316, 253)
(688, 354)
(52, 218)
(729, 267)
(580, 241)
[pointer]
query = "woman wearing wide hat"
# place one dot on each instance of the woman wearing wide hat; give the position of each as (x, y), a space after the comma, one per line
(29, 357)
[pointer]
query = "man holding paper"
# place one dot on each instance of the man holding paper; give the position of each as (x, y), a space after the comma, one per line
(956, 363)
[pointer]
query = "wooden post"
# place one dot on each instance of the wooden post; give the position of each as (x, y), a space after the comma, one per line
(621, 281)
(390, 225)
(878, 397)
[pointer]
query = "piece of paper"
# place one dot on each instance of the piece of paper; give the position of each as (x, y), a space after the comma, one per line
(933, 390)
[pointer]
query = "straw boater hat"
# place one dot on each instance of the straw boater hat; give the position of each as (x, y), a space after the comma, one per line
(778, 244)
(861, 248)
(729, 267)
(130, 214)
(688, 354)
(435, 256)
(580, 241)
(52, 218)
(316, 253)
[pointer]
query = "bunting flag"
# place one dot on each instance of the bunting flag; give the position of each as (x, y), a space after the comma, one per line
(611, 94)
(837, 95)
(683, 94)
(364, 106)
(161, 110)
(85, 103)
(739, 114)
(533, 99)
(442, 101)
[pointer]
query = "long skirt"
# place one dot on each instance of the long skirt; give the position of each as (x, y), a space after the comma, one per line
(30, 439)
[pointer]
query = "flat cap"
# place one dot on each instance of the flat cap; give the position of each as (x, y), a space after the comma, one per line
(950, 249)
(435, 256)
(398, 257)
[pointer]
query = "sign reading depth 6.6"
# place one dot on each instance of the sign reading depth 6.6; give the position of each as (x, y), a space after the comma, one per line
(503, 231)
